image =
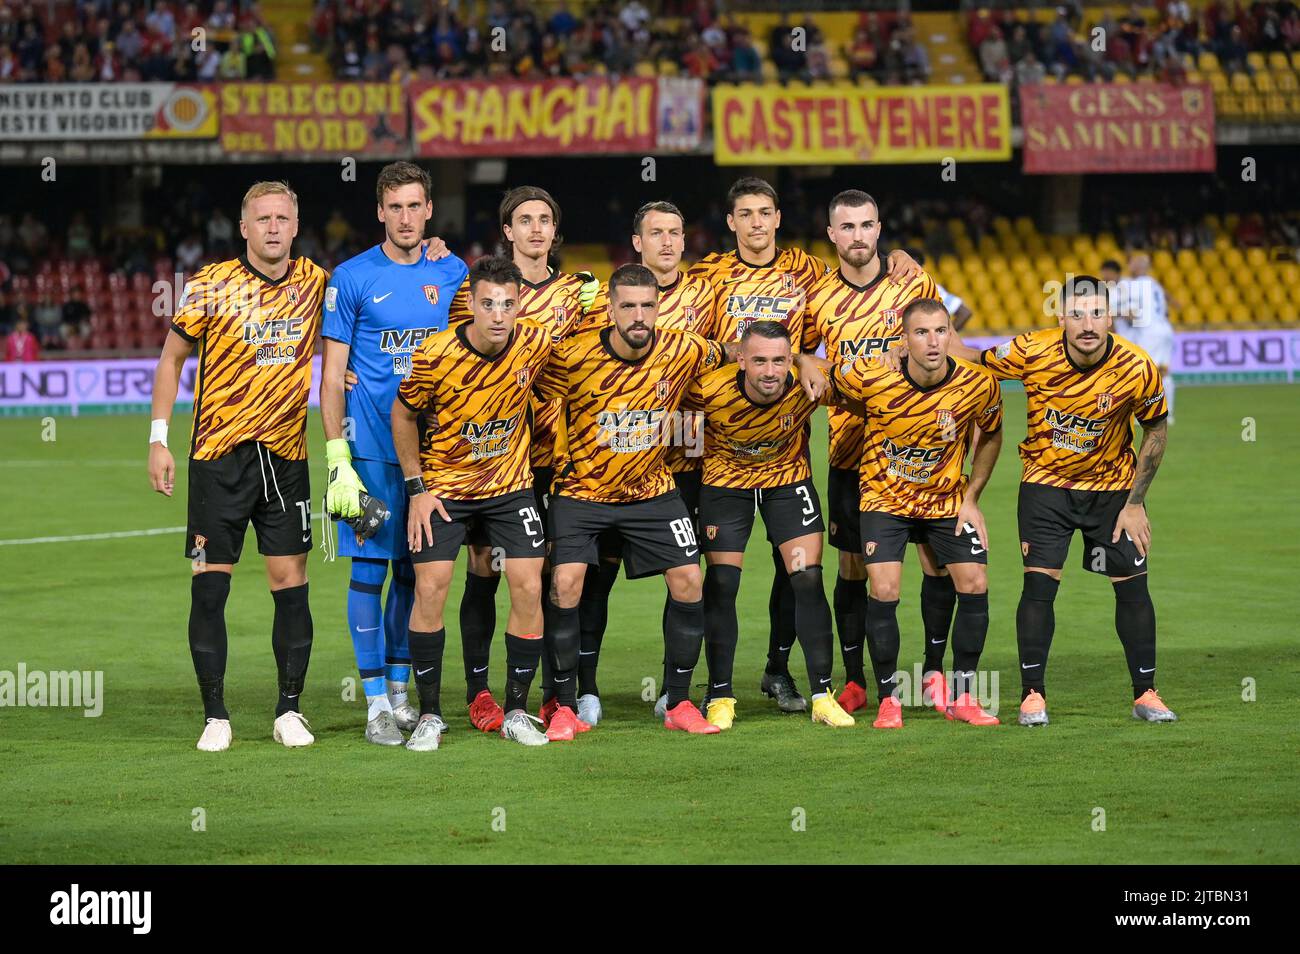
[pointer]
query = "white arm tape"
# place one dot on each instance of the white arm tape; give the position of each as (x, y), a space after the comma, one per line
(158, 432)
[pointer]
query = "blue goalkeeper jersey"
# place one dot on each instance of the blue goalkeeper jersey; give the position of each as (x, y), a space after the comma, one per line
(383, 311)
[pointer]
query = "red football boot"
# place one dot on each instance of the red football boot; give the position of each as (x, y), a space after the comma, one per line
(966, 709)
(890, 715)
(685, 716)
(934, 692)
(485, 714)
(852, 697)
(565, 724)
(548, 709)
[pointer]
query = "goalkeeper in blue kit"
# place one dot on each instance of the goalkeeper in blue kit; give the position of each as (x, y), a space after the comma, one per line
(379, 307)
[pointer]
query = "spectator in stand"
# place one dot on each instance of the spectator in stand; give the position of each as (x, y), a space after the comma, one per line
(819, 55)
(75, 311)
(995, 57)
(862, 54)
(1250, 231)
(20, 344)
(1029, 71)
(258, 47)
(562, 23)
(746, 63)
(790, 62)
(46, 317)
(189, 253)
(350, 66)
(1233, 51)
(221, 235)
(913, 60)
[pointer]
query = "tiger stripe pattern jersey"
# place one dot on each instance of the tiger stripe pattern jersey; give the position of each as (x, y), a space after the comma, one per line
(257, 336)
(857, 321)
(748, 293)
(747, 444)
(685, 305)
(916, 437)
(1080, 420)
(620, 415)
(474, 411)
(552, 303)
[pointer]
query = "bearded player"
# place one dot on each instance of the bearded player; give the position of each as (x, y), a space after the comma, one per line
(256, 319)
(1084, 386)
(760, 281)
(856, 313)
(686, 303)
(461, 427)
(756, 461)
(919, 422)
(530, 225)
(379, 307)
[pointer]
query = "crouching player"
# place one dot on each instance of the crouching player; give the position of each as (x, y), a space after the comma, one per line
(756, 426)
(919, 420)
(462, 432)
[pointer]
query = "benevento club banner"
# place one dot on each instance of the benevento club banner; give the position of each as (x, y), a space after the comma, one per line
(844, 125)
(1102, 127)
(314, 119)
(555, 117)
(46, 112)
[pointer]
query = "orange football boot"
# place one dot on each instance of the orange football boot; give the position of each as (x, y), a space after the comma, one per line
(685, 716)
(890, 714)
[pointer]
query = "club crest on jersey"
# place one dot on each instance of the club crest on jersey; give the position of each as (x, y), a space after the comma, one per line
(945, 419)
(431, 293)
(291, 291)
(661, 390)
(561, 313)
(787, 421)
(890, 315)
(521, 378)
(711, 532)
(688, 314)
(1104, 402)
(787, 281)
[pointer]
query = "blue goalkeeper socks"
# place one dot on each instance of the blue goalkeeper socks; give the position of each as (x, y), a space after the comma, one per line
(366, 622)
(397, 618)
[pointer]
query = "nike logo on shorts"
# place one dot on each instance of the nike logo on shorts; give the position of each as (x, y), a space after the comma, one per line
(693, 552)
(811, 519)
(1135, 562)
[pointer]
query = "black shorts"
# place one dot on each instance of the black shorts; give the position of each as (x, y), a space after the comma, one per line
(886, 537)
(1049, 516)
(510, 523)
(842, 496)
(477, 534)
(610, 544)
(727, 515)
(657, 534)
(248, 483)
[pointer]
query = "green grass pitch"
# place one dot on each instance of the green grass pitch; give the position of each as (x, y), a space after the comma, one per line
(1218, 786)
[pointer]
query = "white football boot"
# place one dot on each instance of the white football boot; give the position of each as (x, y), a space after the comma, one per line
(661, 707)
(216, 736)
(589, 709)
(383, 730)
(428, 733)
(518, 727)
(406, 716)
(291, 731)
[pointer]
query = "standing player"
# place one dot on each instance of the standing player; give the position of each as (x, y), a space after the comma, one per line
(759, 281)
(919, 421)
(1083, 386)
(686, 303)
(756, 459)
(379, 307)
(256, 318)
(530, 225)
(461, 429)
(856, 313)
(1143, 317)
(620, 386)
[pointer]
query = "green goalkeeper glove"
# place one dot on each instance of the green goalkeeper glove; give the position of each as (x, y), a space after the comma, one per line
(343, 495)
(587, 293)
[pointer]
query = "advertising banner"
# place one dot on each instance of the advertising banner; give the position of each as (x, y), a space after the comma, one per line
(314, 119)
(844, 125)
(90, 111)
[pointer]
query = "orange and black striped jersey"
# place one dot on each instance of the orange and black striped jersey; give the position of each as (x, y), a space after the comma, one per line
(748, 293)
(856, 321)
(685, 305)
(474, 420)
(552, 303)
(620, 415)
(1080, 419)
(917, 437)
(748, 444)
(257, 335)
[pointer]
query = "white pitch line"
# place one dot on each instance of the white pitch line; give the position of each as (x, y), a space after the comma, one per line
(114, 535)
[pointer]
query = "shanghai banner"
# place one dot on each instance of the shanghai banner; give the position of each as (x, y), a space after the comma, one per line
(1101, 127)
(56, 111)
(317, 119)
(554, 117)
(844, 125)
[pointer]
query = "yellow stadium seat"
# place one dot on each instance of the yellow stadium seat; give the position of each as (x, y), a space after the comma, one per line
(1240, 314)
(1288, 313)
(1207, 62)
(1162, 260)
(1230, 222)
(1278, 61)
(1255, 61)
(1256, 258)
(1218, 83)
(1185, 258)
(1025, 226)
(1222, 242)
(1289, 273)
(956, 227)
(1285, 81)
(1253, 295)
(1188, 315)
(1275, 105)
(1240, 82)
(1228, 295)
(1264, 82)
(646, 69)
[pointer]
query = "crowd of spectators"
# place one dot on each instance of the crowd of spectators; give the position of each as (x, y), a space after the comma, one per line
(376, 40)
(102, 41)
(1163, 40)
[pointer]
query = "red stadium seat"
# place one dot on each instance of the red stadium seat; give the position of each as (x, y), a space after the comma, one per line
(140, 281)
(163, 268)
(117, 281)
(102, 341)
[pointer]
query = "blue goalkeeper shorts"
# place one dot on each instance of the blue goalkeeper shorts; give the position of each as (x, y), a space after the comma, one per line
(382, 480)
